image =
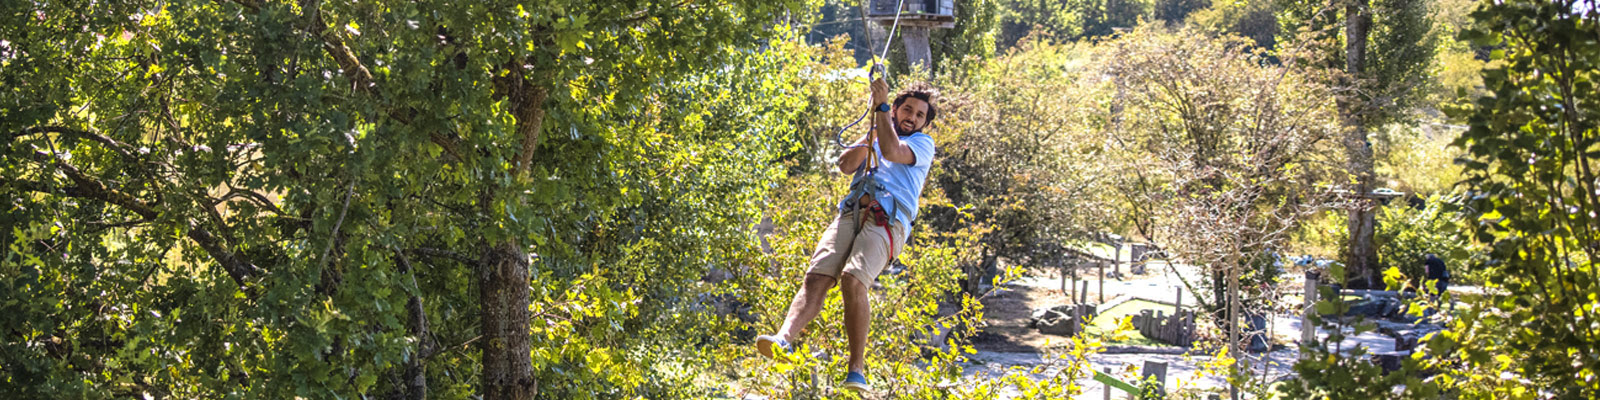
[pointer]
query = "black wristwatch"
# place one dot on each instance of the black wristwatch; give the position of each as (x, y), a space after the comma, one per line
(883, 108)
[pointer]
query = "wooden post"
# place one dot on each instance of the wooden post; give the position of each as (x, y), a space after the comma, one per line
(1064, 278)
(1083, 295)
(1159, 370)
(1077, 317)
(1072, 292)
(1177, 305)
(1175, 325)
(1116, 261)
(1107, 370)
(1308, 332)
(1102, 282)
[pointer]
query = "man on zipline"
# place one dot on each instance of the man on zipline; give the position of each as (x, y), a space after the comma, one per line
(870, 229)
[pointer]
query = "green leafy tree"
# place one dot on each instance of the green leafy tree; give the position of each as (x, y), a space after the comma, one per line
(1406, 235)
(971, 41)
(1458, 65)
(1254, 19)
(1061, 21)
(1219, 154)
(317, 199)
(1419, 160)
(1531, 167)
(1176, 11)
(1021, 157)
(835, 18)
(1532, 194)
(1383, 47)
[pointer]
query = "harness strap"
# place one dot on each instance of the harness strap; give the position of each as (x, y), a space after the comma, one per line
(878, 213)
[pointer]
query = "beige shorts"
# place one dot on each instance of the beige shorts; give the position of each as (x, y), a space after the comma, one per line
(859, 247)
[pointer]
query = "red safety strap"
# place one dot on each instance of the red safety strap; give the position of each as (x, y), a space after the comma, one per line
(883, 220)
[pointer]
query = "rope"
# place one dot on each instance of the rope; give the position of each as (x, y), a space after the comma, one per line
(877, 68)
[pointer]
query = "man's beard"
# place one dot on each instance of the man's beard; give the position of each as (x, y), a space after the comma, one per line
(905, 127)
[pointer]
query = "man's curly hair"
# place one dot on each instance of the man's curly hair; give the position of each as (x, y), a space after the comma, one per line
(920, 91)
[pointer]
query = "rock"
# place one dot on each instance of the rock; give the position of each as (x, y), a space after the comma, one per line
(1058, 324)
(937, 337)
(1405, 342)
(1256, 324)
(1406, 317)
(1039, 314)
(1089, 311)
(1368, 307)
(1389, 361)
(717, 275)
(1390, 308)
(1062, 311)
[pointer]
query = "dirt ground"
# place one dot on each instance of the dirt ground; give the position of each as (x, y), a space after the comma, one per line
(1008, 308)
(1006, 313)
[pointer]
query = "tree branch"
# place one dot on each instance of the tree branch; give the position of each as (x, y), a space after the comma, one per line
(110, 143)
(526, 98)
(103, 225)
(87, 188)
(255, 198)
(415, 380)
(360, 77)
(443, 253)
(333, 236)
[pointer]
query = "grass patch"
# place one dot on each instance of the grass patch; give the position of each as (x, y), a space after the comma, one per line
(1098, 249)
(1298, 299)
(1106, 323)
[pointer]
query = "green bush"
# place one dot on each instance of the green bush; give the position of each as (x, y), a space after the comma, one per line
(1405, 235)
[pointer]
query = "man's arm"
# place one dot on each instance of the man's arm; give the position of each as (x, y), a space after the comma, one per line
(852, 158)
(888, 141)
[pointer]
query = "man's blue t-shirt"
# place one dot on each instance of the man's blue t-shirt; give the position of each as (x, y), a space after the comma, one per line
(900, 183)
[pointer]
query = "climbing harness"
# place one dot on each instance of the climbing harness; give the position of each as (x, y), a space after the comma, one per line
(875, 209)
(862, 181)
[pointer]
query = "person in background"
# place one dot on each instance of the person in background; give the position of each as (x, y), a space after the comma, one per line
(1438, 274)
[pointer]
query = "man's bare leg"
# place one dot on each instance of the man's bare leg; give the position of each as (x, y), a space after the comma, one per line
(857, 320)
(806, 305)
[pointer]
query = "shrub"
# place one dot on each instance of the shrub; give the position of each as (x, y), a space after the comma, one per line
(1406, 234)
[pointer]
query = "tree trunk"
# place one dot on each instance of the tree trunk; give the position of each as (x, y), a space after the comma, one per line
(1360, 255)
(503, 273)
(1219, 297)
(415, 374)
(1234, 349)
(919, 54)
(503, 294)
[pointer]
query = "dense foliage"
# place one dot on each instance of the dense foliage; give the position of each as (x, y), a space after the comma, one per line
(1025, 157)
(1216, 154)
(1407, 233)
(602, 199)
(271, 199)
(1530, 168)
(1536, 189)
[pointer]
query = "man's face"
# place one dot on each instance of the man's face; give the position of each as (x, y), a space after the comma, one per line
(911, 115)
